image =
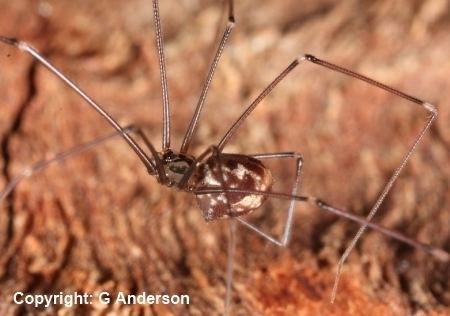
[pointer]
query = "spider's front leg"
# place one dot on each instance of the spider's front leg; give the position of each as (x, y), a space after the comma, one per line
(388, 186)
(59, 157)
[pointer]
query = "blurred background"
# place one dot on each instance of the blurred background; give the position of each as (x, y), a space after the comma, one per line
(98, 222)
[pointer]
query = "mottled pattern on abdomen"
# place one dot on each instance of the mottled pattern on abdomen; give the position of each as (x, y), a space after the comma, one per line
(239, 172)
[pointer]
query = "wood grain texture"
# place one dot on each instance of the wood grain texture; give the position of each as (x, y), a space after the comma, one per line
(99, 222)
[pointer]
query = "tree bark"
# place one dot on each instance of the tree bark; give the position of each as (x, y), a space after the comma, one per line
(98, 222)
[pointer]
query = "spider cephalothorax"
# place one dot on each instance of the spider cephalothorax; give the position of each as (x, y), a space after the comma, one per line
(175, 166)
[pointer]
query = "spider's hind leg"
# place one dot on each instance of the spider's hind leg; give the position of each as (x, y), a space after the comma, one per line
(230, 264)
(226, 172)
(232, 232)
(283, 240)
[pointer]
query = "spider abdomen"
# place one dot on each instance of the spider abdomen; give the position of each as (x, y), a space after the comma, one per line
(238, 172)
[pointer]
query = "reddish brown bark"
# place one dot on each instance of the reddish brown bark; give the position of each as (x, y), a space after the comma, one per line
(99, 222)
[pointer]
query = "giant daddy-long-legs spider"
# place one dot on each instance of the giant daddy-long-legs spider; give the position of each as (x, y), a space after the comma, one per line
(153, 165)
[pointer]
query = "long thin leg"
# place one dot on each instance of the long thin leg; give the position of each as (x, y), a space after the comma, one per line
(59, 157)
(433, 113)
(230, 265)
(288, 224)
(162, 177)
(194, 121)
(162, 73)
(232, 230)
(226, 138)
(41, 59)
(284, 239)
(436, 253)
(427, 106)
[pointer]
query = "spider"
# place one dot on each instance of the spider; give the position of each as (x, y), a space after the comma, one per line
(228, 186)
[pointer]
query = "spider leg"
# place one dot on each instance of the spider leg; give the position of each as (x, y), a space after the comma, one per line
(232, 230)
(60, 157)
(159, 165)
(201, 101)
(437, 253)
(388, 186)
(309, 58)
(266, 91)
(231, 241)
(163, 76)
(284, 239)
(230, 264)
(23, 46)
